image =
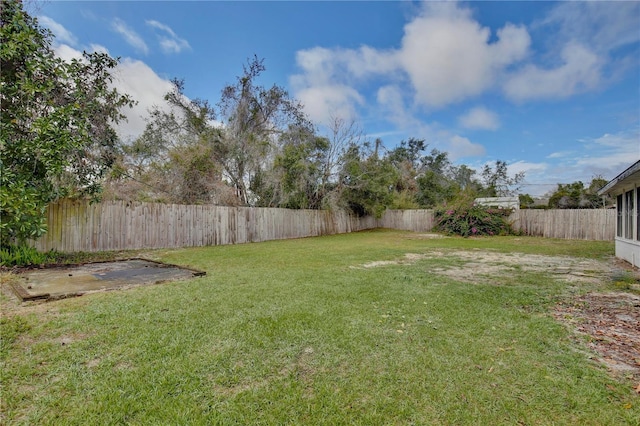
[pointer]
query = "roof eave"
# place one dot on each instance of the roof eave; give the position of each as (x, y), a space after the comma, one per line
(609, 187)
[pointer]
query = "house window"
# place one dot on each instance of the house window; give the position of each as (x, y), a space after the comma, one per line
(628, 215)
(619, 218)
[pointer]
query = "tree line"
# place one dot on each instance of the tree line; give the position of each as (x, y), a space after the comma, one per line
(253, 147)
(256, 147)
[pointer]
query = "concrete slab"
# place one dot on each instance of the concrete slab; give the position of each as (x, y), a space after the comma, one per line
(61, 282)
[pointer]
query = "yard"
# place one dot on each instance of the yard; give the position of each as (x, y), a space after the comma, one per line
(371, 328)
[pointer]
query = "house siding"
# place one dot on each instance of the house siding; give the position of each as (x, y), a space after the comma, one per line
(627, 245)
(628, 250)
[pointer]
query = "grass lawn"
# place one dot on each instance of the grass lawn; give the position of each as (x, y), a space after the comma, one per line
(303, 332)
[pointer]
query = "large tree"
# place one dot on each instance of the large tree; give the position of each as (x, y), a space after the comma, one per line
(436, 182)
(253, 119)
(366, 182)
(295, 179)
(56, 126)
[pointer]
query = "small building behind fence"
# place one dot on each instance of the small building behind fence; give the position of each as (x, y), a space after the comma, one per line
(499, 202)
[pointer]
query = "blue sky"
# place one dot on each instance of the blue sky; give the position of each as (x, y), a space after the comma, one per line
(551, 88)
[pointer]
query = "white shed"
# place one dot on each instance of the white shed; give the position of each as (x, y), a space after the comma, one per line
(626, 189)
(499, 202)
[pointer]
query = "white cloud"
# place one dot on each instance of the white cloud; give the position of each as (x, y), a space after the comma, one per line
(445, 57)
(145, 86)
(480, 118)
(62, 35)
(583, 37)
(600, 25)
(560, 154)
(319, 87)
(604, 156)
(67, 53)
(136, 79)
(322, 103)
(461, 147)
(130, 36)
(367, 61)
(394, 109)
(321, 65)
(448, 56)
(393, 106)
(526, 167)
(65, 43)
(169, 40)
(579, 72)
(627, 141)
(611, 152)
(98, 48)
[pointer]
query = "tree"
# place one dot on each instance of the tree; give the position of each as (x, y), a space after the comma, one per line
(592, 199)
(498, 183)
(295, 179)
(464, 177)
(408, 160)
(56, 127)
(576, 196)
(192, 152)
(177, 157)
(253, 118)
(567, 196)
(342, 136)
(436, 183)
(366, 183)
(526, 201)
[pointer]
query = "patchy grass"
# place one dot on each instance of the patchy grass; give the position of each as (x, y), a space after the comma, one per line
(298, 332)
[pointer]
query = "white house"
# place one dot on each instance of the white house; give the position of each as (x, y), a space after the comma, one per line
(626, 188)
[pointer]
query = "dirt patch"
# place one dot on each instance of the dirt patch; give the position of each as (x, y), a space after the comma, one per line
(482, 266)
(611, 321)
(429, 236)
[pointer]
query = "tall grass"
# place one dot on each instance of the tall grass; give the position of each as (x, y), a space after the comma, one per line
(297, 332)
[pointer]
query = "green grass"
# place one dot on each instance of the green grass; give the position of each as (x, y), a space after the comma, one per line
(289, 332)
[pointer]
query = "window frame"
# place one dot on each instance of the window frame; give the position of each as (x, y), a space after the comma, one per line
(629, 210)
(619, 202)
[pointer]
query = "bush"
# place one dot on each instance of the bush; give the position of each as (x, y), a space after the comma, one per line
(470, 219)
(22, 255)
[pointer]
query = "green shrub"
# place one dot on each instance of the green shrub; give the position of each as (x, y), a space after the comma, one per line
(21, 255)
(468, 219)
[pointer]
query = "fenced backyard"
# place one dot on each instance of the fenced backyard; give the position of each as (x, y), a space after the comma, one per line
(371, 328)
(77, 225)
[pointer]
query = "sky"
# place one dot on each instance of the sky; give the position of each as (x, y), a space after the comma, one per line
(552, 88)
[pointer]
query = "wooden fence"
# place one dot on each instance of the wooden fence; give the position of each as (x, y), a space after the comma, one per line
(584, 224)
(408, 220)
(119, 225)
(580, 224)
